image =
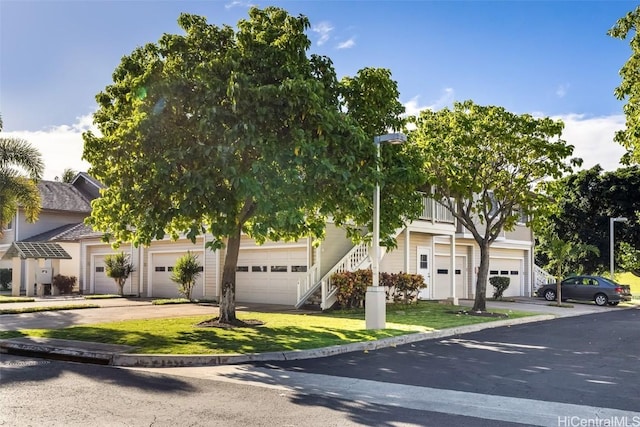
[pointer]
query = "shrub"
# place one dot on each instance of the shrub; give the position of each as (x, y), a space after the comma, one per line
(399, 287)
(5, 278)
(118, 267)
(185, 273)
(500, 284)
(352, 287)
(402, 287)
(64, 284)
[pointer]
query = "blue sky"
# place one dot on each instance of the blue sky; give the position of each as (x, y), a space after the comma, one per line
(550, 58)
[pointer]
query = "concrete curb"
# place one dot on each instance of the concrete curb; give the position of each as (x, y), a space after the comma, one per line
(118, 356)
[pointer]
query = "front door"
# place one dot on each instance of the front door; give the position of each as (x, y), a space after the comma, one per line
(424, 268)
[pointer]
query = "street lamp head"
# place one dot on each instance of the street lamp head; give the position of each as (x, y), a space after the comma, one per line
(620, 219)
(390, 138)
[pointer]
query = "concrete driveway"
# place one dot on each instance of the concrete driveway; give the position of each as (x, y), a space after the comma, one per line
(111, 310)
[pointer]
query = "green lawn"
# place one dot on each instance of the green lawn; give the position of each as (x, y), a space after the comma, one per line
(631, 280)
(280, 332)
(8, 299)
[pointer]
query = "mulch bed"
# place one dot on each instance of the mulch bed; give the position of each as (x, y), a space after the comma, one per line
(481, 314)
(215, 323)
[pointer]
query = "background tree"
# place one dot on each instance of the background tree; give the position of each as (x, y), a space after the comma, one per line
(629, 258)
(629, 88)
(562, 255)
(67, 175)
(119, 268)
(489, 168)
(586, 201)
(21, 167)
(185, 273)
(229, 132)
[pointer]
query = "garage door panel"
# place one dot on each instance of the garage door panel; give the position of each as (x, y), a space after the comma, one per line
(510, 268)
(270, 275)
(162, 286)
(442, 282)
(103, 284)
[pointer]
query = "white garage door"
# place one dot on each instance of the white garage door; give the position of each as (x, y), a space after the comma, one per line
(104, 284)
(442, 282)
(161, 285)
(270, 276)
(510, 268)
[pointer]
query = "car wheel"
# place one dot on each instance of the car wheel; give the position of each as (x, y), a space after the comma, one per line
(550, 295)
(601, 299)
(614, 302)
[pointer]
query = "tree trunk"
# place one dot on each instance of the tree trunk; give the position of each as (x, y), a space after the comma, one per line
(480, 303)
(120, 284)
(559, 290)
(228, 292)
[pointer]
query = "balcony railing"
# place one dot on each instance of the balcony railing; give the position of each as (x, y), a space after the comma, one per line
(435, 211)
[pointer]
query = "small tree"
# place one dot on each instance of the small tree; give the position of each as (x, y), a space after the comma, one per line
(185, 273)
(118, 267)
(561, 254)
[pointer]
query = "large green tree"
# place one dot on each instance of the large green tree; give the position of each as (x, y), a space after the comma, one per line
(21, 167)
(629, 88)
(586, 200)
(489, 168)
(227, 131)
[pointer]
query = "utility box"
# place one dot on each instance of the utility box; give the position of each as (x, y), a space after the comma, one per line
(44, 275)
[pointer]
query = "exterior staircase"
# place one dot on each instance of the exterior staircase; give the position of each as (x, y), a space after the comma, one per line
(314, 289)
(542, 277)
(357, 258)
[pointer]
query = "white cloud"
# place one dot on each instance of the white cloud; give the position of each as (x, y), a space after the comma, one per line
(61, 146)
(347, 44)
(562, 90)
(323, 28)
(446, 99)
(592, 138)
(238, 3)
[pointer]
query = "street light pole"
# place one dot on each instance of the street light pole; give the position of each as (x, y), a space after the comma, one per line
(611, 246)
(375, 299)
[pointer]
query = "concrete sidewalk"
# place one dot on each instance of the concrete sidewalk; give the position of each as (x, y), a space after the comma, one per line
(139, 308)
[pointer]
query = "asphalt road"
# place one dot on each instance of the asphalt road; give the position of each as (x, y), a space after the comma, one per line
(51, 393)
(587, 360)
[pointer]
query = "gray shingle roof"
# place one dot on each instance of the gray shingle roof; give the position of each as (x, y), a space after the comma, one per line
(61, 196)
(69, 232)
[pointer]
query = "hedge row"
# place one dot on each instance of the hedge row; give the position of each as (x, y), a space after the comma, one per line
(399, 287)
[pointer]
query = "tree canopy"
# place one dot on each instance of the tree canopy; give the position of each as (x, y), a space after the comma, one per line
(629, 88)
(229, 131)
(490, 167)
(21, 167)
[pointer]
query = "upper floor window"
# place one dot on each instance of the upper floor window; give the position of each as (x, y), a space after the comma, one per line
(522, 217)
(9, 226)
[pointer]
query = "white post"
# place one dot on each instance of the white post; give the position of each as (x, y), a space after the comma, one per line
(452, 266)
(375, 298)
